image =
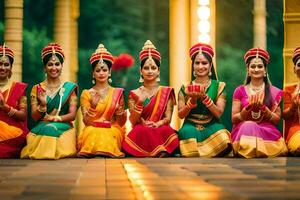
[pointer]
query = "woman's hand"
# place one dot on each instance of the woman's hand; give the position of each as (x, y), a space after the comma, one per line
(295, 101)
(257, 100)
(196, 92)
(150, 124)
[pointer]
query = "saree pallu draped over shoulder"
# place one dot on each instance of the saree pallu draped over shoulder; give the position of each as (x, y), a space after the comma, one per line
(253, 139)
(53, 140)
(144, 141)
(12, 131)
(202, 134)
(104, 137)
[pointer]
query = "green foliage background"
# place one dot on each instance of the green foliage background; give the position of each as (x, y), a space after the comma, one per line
(124, 25)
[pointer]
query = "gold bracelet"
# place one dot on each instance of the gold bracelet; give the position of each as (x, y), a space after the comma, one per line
(190, 105)
(138, 108)
(165, 121)
(42, 109)
(91, 114)
(120, 112)
(271, 116)
(11, 112)
(239, 116)
(57, 118)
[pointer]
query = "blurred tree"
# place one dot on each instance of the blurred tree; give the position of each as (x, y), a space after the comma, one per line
(123, 27)
(233, 38)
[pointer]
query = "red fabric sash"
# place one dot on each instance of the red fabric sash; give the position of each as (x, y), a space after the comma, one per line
(155, 109)
(117, 94)
(17, 90)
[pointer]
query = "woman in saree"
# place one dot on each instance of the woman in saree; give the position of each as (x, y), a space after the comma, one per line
(150, 107)
(201, 104)
(256, 111)
(103, 111)
(291, 112)
(13, 108)
(53, 107)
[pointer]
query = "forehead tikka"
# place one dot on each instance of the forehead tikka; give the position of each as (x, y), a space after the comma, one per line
(256, 56)
(101, 61)
(53, 54)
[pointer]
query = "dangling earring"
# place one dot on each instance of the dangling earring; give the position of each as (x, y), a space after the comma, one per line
(109, 78)
(45, 75)
(158, 78)
(141, 80)
(194, 74)
(93, 80)
(265, 74)
(209, 73)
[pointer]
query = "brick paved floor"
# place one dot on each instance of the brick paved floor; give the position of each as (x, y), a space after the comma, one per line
(150, 178)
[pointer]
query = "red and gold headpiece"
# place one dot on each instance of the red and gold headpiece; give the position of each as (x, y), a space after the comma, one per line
(257, 53)
(296, 55)
(101, 54)
(6, 51)
(149, 51)
(54, 49)
(200, 48)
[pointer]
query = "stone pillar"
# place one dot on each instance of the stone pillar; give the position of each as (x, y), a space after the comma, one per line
(194, 30)
(65, 34)
(13, 33)
(180, 65)
(291, 18)
(259, 24)
(74, 40)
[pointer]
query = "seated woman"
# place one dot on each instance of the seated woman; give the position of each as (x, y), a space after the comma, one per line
(256, 111)
(201, 103)
(151, 107)
(53, 106)
(103, 112)
(291, 112)
(13, 108)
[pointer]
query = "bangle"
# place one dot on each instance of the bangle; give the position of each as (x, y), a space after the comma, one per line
(165, 121)
(11, 112)
(41, 109)
(138, 108)
(58, 118)
(270, 116)
(91, 112)
(120, 112)
(190, 105)
(239, 116)
(207, 101)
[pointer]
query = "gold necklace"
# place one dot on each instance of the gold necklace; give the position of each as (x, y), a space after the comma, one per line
(255, 90)
(51, 89)
(150, 92)
(102, 92)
